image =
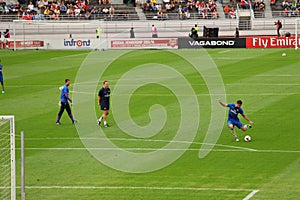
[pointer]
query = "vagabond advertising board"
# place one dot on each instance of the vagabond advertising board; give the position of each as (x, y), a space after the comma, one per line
(166, 43)
(211, 43)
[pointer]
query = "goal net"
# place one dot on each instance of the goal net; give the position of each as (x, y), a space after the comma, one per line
(7, 158)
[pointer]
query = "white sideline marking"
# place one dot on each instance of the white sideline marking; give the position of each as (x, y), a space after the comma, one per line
(133, 149)
(167, 95)
(162, 149)
(139, 187)
(234, 148)
(145, 140)
(126, 85)
(251, 194)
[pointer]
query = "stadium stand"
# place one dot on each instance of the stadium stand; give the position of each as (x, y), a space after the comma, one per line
(284, 8)
(67, 10)
(180, 10)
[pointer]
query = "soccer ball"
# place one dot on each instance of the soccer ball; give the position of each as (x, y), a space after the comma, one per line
(247, 138)
(283, 54)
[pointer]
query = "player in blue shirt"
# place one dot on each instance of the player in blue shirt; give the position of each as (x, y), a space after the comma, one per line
(64, 102)
(233, 120)
(1, 78)
(103, 102)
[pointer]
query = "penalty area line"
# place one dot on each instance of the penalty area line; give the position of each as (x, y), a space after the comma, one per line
(139, 188)
(251, 194)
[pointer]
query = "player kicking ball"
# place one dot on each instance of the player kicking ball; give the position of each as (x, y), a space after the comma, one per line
(233, 120)
(103, 102)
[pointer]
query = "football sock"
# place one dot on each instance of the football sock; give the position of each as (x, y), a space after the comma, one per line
(100, 119)
(105, 123)
(71, 117)
(58, 118)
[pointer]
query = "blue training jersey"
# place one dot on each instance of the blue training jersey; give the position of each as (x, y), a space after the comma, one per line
(1, 69)
(234, 111)
(64, 94)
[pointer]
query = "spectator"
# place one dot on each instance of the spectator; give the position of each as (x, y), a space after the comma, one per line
(232, 13)
(5, 9)
(295, 12)
(196, 29)
(168, 7)
(193, 34)
(105, 11)
(262, 6)
(26, 15)
(256, 6)
(180, 12)
(63, 8)
(1, 8)
(70, 11)
(30, 7)
(6, 33)
(41, 6)
(294, 5)
(131, 33)
(159, 14)
(146, 7)
(45, 3)
(285, 4)
(56, 14)
(237, 32)
(278, 27)
(154, 31)
(285, 12)
(242, 4)
(226, 11)
(77, 11)
(111, 11)
(87, 15)
(38, 16)
(95, 11)
(214, 13)
(47, 13)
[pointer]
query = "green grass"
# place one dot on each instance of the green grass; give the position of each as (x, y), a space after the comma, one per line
(267, 83)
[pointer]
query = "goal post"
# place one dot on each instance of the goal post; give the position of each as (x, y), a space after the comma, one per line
(297, 29)
(7, 158)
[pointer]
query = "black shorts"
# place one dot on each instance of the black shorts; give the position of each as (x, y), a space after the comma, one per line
(104, 106)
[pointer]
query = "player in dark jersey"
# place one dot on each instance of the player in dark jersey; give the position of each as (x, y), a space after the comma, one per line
(1, 78)
(64, 104)
(233, 120)
(103, 102)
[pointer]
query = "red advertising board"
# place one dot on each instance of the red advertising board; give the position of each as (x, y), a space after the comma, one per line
(270, 42)
(26, 44)
(171, 43)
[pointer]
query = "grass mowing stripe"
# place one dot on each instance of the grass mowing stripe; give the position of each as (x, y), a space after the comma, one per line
(267, 84)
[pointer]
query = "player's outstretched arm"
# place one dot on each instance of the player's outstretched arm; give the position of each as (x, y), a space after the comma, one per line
(246, 118)
(221, 103)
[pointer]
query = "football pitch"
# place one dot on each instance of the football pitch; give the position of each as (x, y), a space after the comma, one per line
(168, 137)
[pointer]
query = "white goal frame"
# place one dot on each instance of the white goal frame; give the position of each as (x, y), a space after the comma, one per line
(297, 23)
(12, 155)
